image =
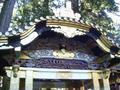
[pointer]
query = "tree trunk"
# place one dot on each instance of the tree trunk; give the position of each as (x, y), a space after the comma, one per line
(75, 5)
(6, 14)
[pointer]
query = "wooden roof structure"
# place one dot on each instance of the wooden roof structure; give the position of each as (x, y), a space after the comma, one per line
(101, 44)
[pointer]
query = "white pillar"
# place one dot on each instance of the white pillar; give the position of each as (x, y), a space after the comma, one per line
(43, 88)
(106, 84)
(29, 80)
(95, 81)
(82, 87)
(14, 82)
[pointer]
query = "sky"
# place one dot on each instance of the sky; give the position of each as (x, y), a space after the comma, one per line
(116, 18)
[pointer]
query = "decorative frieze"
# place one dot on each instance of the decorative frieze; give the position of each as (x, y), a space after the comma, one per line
(53, 63)
(37, 54)
(63, 54)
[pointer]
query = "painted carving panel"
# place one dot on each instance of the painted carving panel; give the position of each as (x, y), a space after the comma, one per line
(62, 54)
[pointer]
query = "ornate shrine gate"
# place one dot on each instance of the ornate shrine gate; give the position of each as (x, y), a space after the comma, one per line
(93, 43)
(29, 74)
(78, 38)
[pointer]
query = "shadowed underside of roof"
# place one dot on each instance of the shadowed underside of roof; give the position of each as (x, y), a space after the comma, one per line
(92, 37)
(17, 39)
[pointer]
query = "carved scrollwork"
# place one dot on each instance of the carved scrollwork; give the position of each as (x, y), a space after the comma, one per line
(63, 54)
(37, 54)
(55, 63)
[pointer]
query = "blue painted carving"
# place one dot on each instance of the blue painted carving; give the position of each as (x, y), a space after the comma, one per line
(54, 63)
(37, 54)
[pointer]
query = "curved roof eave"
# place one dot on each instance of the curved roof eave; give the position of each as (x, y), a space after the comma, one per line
(30, 33)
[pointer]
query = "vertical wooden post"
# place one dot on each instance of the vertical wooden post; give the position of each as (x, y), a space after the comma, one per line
(70, 85)
(106, 84)
(95, 81)
(43, 88)
(82, 86)
(29, 80)
(14, 82)
(60, 88)
(73, 88)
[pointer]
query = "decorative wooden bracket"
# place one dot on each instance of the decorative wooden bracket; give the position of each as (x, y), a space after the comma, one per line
(106, 74)
(15, 70)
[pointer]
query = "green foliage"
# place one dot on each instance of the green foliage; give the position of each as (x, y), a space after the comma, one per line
(28, 10)
(93, 11)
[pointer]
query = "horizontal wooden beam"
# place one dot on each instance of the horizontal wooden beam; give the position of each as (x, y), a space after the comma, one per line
(41, 73)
